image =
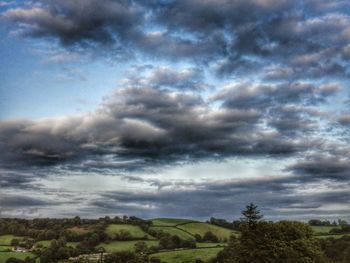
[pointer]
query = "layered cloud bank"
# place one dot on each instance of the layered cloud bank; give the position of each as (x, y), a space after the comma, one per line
(227, 83)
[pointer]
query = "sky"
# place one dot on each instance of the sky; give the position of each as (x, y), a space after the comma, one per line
(175, 108)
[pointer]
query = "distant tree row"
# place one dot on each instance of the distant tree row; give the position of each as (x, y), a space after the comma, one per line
(234, 225)
(317, 222)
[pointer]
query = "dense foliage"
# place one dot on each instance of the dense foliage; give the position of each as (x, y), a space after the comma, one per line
(337, 250)
(262, 241)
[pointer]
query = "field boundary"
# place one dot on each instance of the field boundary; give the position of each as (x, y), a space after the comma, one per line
(185, 249)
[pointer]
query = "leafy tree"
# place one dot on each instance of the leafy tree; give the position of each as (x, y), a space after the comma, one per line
(62, 253)
(154, 260)
(261, 242)
(15, 242)
(77, 221)
(123, 235)
(141, 247)
(125, 257)
(210, 237)
(198, 237)
(337, 250)
(46, 256)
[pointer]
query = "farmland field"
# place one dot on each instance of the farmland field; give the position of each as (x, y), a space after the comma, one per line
(187, 256)
(322, 229)
(169, 221)
(202, 228)
(5, 248)
(135, 231)
(174, 231)
(208, 244)
(117, 246)
(5, 240)
(5, 255)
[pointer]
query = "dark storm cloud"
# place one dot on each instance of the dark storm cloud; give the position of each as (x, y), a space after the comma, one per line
(263, 96)
(235, 35)
(344, 119)
(207, 199)
(150, 120)
(146, 124)
(85, 21)
(18, 180)
(324, 167)
(152, 126)
(16, 201)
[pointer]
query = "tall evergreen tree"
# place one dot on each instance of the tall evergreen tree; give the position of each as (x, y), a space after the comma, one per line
(251, 215)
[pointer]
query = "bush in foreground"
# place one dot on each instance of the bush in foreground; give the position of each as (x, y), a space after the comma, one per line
(262, 241)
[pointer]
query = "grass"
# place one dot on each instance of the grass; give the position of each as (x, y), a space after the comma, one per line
(5, 240)
(117, 246)
(207, 244)
(174, 231)
(5, 255)
(322, 229)
(202, 228)
(187, 256)
(5, 248)
(169, 221)
(135, 231)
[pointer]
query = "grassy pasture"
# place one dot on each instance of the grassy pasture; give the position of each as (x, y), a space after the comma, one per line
(207, 244)
(135, 231)
(202, 228)
(187, 256)
(322, 229)
(5, 240)
(169, 221)
(5, 248)
(174, 231)
(5, 255)
(117, 246)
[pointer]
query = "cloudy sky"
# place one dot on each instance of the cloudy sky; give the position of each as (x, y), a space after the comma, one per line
(175, 108)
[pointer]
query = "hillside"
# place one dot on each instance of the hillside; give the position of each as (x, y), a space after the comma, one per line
(167, 239)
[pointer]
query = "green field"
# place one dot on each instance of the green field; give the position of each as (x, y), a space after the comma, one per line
(169, 221)
(5, 248)
(202, 228)
(207, 244)
(5, 240)
(322, 229)
(135, 231)
(46, 243)
(117, 246)
(174, 231)
(187, 256)
(5, 255)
